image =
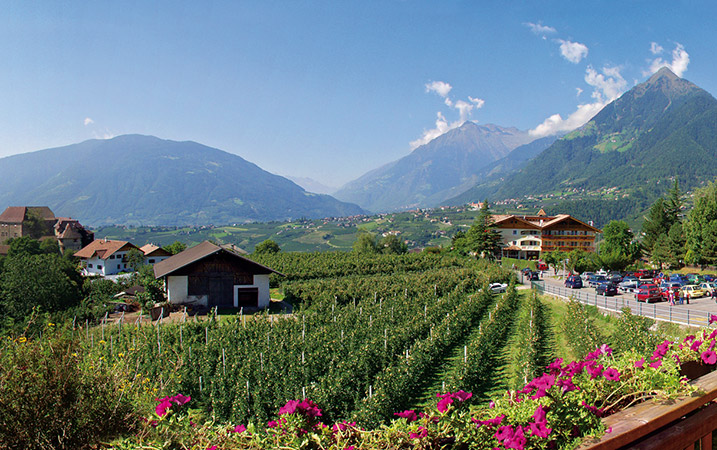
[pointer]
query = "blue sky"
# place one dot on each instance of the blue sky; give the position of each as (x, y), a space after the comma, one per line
(329, 89)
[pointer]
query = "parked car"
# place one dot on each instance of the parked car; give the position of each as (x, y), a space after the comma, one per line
(628, 284)
(607, 289)
(709, 277)
(597, 280)
(648, 293)
(574, 282)
(693, 290)
(615, 279)
(534, 276)
(587, 276)
(708, 287)
(498, 287)
(540, 265)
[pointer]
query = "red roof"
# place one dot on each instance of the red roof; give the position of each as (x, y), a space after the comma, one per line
(103, 248)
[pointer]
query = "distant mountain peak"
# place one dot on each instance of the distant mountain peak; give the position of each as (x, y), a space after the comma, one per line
(664, 72)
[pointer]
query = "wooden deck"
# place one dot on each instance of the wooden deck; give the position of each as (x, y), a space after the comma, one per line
(684, 423)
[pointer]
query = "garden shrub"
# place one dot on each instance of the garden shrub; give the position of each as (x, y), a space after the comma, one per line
(50, 398)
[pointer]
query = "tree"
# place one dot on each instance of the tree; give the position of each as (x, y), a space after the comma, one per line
(674, 203)
(676, 243)
(701, 227)
(50, 247)
(48, 281)
(24, 245)
(391, 244)
(35, 225)
(176, 247)
(657, 223)
(365, 243)
(619, 248)
(661, 251)
(482, 237)
(135, 259)
(268, 247)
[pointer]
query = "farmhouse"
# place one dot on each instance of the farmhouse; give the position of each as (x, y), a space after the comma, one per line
(15, 221)
(105, 257)
(525, 237)
(210, 275)
(154, 254)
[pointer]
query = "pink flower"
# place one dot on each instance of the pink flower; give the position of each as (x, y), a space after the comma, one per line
(539, 429)
(213, 447)
(462, 395)
(343, 425)
(606, 350)
(640, 364)
(709, 357)
(180, 399)
(656, 364)
(491, 404)
(504, 432)
(309, 409)
(443, 404)
(239, 429)
(490, 423)
(594, 371)
(448, 397)
(163, 407)
(555, 365)
(272, 424)
(409, 415)
(422, 432)
(567, 385)
(713, 318)
(695, 346)
(609, 430)
(289, 408)
(595, 410)
(517, 441)
(611, 374)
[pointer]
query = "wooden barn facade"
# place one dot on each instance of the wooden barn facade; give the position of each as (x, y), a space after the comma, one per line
(210, 275)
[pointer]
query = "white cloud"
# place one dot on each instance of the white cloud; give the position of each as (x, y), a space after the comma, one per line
(88, 121)
(442, 125)
(578, 91)
(655, 48)
(573, 51)
(439, 87)
(607, 86)
(539, 29)
(680, 61)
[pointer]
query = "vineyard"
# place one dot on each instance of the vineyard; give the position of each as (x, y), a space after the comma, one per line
(368, 337)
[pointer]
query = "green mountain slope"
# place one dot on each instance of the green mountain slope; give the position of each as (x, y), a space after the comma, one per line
(660, 129)
(143, 180)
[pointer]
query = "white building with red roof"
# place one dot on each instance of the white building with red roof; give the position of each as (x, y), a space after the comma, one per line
(105, 257)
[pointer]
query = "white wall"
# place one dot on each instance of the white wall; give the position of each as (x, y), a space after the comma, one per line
(261, 282)
(177, 288)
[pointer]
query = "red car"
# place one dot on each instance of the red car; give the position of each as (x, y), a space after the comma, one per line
(648, 293)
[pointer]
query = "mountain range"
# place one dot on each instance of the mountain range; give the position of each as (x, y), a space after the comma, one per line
(658, 131)
(144, 180)
(440, 169)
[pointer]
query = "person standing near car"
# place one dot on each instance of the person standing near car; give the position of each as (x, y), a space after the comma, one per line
(687, 297)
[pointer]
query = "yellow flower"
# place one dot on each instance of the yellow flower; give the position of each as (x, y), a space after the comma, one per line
(50, 324)
(120, 355)
(102, 341)
(74, 354)
(21, 339)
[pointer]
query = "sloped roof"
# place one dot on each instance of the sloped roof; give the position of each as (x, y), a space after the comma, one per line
(502, 218)
(13, 214)
(196, 253)
(153, 250)
(103, 248)
(561, 217)
(17, 214)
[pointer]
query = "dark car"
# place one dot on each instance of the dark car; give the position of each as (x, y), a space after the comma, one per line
(574, 282)
(534, 276)
(607, 289)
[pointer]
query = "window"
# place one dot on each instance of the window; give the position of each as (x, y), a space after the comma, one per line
(99, 267)
(515, 231)
(118, 266)
(151, 261)
(89, 265)
(112, 256)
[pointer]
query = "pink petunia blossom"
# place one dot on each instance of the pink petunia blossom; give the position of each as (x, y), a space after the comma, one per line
(409, 415)
(695, 346)
(504, 432)
(606, 350)
(239, 429)
(555, 365)
(539, 429)
(163, 407)
(656, 364)
(567, 385)
(289, 408)
(640, 364)
(180, 399)
(594, 371)
(422, 432)
(490, 423)
(713, 318)
(611, 374)
(213, 447)
(593, 409)
(709, 357)
(517, 441)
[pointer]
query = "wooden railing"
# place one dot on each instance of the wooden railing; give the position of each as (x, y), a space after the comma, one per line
(681, 424)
